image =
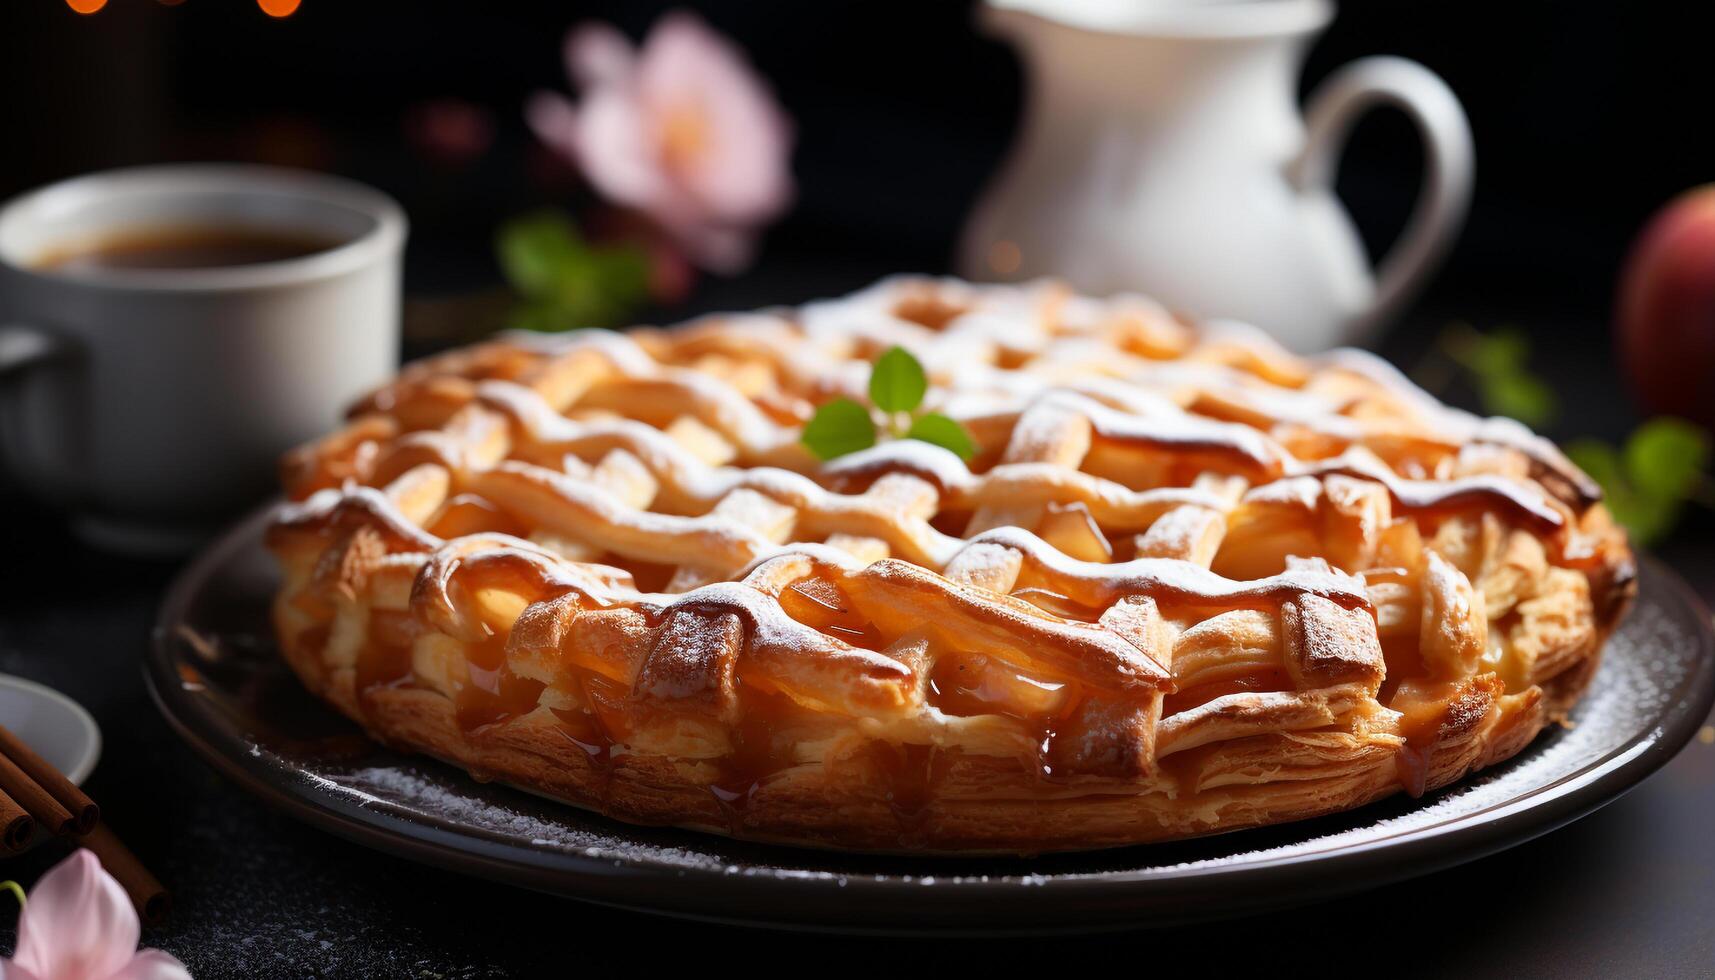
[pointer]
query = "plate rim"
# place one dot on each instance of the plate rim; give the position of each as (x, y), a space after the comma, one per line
(624, 883)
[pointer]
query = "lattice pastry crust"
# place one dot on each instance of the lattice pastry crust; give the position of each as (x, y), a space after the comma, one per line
(1189, 583)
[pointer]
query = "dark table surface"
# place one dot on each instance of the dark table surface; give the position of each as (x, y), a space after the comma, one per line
(1628, 891)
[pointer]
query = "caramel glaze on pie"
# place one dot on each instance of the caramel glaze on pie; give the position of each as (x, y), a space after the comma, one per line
(1189, 583)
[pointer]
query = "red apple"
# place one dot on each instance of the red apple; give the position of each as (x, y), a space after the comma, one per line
(1666, 316)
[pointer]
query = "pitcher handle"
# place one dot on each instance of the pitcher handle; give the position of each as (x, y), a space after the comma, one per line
(1447, 171)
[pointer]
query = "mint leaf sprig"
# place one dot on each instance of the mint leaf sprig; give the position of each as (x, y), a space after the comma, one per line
(897, 384)
(565, 282)
(1648, 481)
(1496, 362)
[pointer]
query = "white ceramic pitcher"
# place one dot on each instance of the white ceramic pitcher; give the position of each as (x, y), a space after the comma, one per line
(1162, 152)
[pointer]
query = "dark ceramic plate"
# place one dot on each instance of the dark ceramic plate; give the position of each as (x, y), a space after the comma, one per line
(214, 673)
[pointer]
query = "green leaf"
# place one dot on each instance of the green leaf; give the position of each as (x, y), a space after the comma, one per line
(897, 382)
(1520, 396)
(1646, 519)
(1484, 354)
(1498, 369)
(1597, 459)
(1665, 457)
(534, 250)
(564, 282)
(839, 427)
(939, 430)
(623, 269)
(1499, 352)
(1647, 516)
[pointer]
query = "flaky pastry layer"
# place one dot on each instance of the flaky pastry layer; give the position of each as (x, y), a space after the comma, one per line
(1189, 582)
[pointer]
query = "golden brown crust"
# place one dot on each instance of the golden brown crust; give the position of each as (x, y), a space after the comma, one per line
(1190, 583)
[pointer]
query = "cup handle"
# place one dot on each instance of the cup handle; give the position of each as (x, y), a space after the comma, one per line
(22, 346)
(1447, 172)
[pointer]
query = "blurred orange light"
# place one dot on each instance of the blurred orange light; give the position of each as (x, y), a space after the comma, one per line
(277, 8)
(86, 6)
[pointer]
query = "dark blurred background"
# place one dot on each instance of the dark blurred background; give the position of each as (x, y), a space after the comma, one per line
(1587, 116)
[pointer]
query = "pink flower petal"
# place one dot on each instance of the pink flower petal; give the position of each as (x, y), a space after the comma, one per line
(598, 54)
(78, 923)
(554, 120)
(682, 130)
(152, 964)
(616, 149)
(12, 971)
(605, 137)
(740, 177)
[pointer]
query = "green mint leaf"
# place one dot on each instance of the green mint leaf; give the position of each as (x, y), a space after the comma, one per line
(1646, 520)
(1599, 460)
(1520, 396)
(1485, 354)
(1496, 364)
(839, 427)
(535, 249)
(613, 283)
(1647, 517)
(564, 283)
(897, 382)
(1665, 457)
(624, 270)
(939, 430)
(1500, 352)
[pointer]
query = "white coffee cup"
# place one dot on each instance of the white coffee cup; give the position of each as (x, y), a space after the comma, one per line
(153, 403)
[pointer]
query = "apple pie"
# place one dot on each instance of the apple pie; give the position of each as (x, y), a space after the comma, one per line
(1188, 582)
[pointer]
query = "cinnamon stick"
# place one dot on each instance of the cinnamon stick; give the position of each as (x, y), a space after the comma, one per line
(35, 800)
(16, 826)
(152, 900)
(83, 809)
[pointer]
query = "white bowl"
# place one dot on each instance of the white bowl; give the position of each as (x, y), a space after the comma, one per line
(54, 725)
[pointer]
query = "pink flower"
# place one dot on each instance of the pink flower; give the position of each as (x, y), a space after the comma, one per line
(78, 925)
(681, 130)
